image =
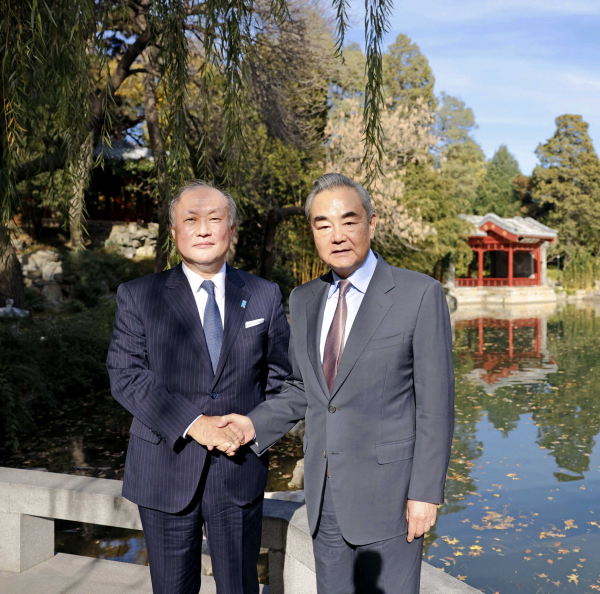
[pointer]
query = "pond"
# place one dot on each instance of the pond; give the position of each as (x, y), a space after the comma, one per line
(523, 509)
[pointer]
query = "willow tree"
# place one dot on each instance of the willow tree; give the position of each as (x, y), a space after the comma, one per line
(59, 91)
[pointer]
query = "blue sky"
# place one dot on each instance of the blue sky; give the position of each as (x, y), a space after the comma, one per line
(517, 63)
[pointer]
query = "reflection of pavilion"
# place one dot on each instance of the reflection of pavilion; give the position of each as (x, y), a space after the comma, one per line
(518, 355)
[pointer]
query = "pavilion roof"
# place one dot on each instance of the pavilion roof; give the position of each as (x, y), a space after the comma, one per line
(524, 227)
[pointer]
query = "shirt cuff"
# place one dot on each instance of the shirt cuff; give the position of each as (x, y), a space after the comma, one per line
(190, 426)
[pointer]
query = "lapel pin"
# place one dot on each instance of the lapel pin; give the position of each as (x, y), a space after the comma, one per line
(244, 304)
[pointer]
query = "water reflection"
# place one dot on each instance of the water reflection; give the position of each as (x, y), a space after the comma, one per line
(522, 498)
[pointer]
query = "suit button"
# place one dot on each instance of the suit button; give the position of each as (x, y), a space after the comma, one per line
(332, 409)
(214, 395)
(324, 454)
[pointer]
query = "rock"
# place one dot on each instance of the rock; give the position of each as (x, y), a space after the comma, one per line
(297, 430)
(51, 270)
(19, 244)
(127, 252)
(205, 559)
(146, 251)
(295, 496)
(297, 481)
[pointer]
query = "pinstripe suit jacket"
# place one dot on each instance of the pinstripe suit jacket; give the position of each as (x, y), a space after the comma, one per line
(160, 371)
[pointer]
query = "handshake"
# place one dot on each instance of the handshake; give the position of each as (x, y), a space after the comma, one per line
(226, 433)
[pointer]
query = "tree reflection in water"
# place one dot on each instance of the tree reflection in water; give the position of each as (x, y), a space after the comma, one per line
(522, 508)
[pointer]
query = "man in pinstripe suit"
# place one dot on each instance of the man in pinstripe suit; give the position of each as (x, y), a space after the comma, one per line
(189, 345)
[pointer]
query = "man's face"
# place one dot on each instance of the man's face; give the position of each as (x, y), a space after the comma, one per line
(202, 232)
(341, 230)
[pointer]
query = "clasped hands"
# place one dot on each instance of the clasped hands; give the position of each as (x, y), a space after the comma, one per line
(227, 434)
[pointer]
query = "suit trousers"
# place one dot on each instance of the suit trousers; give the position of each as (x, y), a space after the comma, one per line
(174, 541)
(391, 566)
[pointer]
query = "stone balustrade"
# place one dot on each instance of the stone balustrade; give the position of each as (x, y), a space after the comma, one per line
(30, 501)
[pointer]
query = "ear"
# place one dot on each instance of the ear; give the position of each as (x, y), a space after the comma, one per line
(372, 225)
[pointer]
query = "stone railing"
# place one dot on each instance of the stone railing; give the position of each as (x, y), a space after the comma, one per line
(30, 501)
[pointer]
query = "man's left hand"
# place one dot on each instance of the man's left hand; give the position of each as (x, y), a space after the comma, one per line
(421, 517)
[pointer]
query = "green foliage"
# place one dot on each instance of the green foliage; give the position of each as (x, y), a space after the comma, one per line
(581, 270)
(428, 192)
(53, 359)
(497, 193)
(454, 121)
(566, 185)
(464, 166)
(407, 74)
(91, 274)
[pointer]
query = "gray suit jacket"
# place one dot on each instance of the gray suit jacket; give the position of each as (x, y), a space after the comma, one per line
(386, 429)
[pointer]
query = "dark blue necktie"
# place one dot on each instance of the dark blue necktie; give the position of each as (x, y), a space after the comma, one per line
(213, 326)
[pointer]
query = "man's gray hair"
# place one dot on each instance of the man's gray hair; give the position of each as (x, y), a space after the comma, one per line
(194, 185)
(337, 180)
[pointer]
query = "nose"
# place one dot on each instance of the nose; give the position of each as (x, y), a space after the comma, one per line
(338, 236)
(202, 229)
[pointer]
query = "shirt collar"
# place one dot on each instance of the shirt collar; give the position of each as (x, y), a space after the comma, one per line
(196, 280)
(360, 278)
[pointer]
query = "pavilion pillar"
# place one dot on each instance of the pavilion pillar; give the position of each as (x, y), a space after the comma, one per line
(543, 263)
(480, 268)
(510, 266)
(537, 264)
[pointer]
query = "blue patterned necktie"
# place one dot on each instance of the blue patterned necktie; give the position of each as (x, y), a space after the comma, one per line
(213, 326)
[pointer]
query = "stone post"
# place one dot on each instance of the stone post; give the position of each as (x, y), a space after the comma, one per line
(25, 541)
(543, 258)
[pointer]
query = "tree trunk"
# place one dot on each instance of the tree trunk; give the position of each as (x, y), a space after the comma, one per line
(269, 252)
(149, 59)
(81, 178)
(11, 277)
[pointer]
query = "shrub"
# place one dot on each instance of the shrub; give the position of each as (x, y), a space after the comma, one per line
(50, 360)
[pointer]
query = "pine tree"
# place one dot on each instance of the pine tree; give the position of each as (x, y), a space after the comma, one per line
(566, 184)
(407, 74)
(497, 193)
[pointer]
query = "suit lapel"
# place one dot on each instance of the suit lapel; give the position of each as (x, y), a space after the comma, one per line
(375, 305)
(315, 308)
(234, 315)
(178, 295)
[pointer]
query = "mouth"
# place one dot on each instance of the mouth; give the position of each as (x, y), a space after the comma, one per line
(203, 245)
(340, 252)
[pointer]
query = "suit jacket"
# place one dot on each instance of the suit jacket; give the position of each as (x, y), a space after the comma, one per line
(386, 429)
(160, 371)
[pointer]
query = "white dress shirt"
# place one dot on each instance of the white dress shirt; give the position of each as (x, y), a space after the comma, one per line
(360, 280)
(201, 297)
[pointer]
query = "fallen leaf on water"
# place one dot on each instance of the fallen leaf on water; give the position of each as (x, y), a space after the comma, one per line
(462, 578)
(550, 561)
(542, 575)
(570, 524)
(574, 578)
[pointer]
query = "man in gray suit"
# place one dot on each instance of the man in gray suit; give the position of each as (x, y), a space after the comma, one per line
(372, 374)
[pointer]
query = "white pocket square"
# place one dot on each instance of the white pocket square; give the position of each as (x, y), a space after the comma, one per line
(254, 322)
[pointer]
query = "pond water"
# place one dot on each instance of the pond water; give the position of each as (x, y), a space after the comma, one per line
(523, 508)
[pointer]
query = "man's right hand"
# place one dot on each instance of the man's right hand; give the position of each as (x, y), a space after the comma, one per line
(241, 424)
(206, 431)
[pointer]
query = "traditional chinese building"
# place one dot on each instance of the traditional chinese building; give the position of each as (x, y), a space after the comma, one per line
(510, 252)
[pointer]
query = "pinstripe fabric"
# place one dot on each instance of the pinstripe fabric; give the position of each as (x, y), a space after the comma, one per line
(233, 533)
(160, 371)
